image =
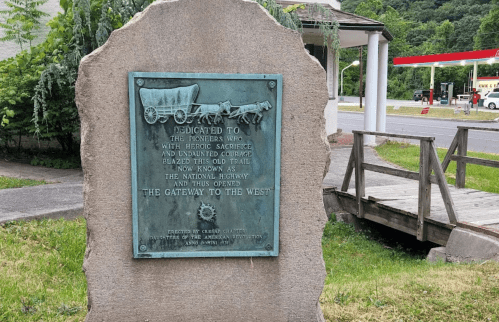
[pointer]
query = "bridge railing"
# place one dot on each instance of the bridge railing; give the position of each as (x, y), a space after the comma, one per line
(428, 161)
(460, 143)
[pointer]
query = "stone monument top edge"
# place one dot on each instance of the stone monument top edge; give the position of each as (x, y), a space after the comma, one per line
(252, 8)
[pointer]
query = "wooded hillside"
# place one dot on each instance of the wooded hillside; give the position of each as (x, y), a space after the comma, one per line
(426, 27)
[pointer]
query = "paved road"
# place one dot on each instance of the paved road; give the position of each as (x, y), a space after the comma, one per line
(443, 130)
(349, 100)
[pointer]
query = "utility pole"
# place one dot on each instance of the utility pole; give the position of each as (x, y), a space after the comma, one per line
(361, 76)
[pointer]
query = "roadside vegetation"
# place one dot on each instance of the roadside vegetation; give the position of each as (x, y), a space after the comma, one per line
(477, 177)
(447, 113)
(7, 182)
(369, 277)
(369, 280)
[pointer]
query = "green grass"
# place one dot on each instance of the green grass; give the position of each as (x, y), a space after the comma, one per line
(434, 112)
(6, 182)
(477, 177)
(41, 276)
(367, 281)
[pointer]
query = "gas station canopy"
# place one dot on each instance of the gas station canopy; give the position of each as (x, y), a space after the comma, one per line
(475, 58)
(488, 56)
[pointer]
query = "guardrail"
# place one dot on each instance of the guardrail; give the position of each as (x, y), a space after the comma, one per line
(460, 143)
(428, 161)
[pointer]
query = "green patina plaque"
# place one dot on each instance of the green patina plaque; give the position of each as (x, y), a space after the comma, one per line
(205, 152)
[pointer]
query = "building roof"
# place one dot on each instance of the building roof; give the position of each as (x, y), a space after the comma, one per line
(488, 56)
(352, 27)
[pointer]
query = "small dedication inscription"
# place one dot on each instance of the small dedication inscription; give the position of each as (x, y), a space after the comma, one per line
(205, 154)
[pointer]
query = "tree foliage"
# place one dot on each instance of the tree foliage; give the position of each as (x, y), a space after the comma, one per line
(46, 77)
(84, 26)
(21, 20)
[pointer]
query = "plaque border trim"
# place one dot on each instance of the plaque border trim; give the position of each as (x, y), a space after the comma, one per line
(133, 154)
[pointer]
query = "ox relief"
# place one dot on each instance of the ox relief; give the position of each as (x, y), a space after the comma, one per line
(205, 154)
(179, 103)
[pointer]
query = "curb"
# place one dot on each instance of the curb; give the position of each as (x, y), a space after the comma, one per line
(68, 214)
(432, 118)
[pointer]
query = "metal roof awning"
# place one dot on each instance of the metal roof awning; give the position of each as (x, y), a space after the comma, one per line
(352, 27)
(488, 56)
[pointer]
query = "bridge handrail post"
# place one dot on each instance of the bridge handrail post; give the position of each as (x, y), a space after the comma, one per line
(424, 195)
(462, 150)
(360, 183)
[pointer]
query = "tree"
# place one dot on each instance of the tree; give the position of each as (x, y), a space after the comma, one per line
(488, 33)
(21, 20)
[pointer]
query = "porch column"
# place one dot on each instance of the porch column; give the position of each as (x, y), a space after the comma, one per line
(331, 110)
(382, 86)
(432, 84)
(371, 85)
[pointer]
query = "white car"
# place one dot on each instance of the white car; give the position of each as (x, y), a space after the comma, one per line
(492, 100)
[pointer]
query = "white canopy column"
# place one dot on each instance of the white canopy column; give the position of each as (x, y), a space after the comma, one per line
(432, 84)
(331, 110)
(475, 74)
(371, 85)
(382, 86)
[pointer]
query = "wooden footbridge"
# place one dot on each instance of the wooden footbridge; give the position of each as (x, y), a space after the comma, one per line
(428, 208)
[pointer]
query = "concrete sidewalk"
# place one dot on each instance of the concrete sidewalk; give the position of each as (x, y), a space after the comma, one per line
(62, 197)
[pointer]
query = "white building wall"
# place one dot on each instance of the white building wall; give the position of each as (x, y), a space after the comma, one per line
(333, 3)
(10, 48)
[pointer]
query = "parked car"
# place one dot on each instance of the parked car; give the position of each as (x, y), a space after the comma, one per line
(424, 94)
(492, 100)
(420, 94)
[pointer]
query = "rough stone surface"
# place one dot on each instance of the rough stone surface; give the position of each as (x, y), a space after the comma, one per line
(202, 36)
(468, 246)
(436, 254)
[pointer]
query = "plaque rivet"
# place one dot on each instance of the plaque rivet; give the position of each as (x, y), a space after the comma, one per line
(140, 82)
(272, 85)
(142, 248)
(268, 247)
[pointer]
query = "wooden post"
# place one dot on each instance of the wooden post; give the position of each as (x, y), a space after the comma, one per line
(360, 187)
(424, 196)
(462, 150)
(348, 173)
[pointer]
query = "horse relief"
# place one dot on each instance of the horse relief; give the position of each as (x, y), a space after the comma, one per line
(205, 111)
(257, 108)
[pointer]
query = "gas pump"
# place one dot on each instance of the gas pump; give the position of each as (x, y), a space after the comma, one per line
(447, 92)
